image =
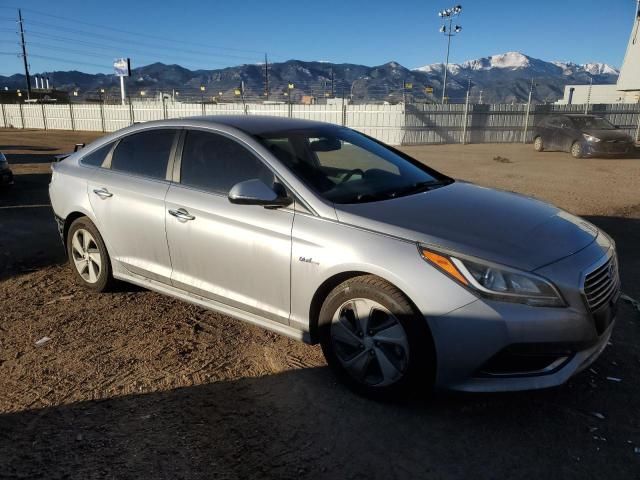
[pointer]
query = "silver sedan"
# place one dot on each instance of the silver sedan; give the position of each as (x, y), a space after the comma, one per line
(408, 279)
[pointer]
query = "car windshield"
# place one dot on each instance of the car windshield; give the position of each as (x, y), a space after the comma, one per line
(592, 123)
(344, 166)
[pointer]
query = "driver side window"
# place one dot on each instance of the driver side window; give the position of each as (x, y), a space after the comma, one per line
(215, 163)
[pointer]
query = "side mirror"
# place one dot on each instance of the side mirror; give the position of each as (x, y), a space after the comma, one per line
(255, 192)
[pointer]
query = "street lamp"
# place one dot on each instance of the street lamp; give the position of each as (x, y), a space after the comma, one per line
(449, 31)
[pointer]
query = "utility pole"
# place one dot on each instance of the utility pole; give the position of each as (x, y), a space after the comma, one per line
(586, 107)
(24, 55)
(333, 91)
(466, 115)
(526, 119)
(449, 32)
(266, 76)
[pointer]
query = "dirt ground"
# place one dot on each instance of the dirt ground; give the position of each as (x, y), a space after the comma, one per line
(136, 385)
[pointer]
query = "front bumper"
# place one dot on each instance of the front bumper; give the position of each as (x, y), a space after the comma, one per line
(606, 148)
(489, 346)
(6, 177)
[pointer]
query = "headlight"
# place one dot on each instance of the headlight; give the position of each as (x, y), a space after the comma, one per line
(590, 138)
(496, 281)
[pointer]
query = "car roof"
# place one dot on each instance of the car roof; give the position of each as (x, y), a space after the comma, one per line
(260, 124)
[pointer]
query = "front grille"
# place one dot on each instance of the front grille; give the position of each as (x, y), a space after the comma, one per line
(602, 284)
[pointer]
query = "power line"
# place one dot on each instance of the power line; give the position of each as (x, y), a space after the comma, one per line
(114, 48)
(128, 42)
(138, 34)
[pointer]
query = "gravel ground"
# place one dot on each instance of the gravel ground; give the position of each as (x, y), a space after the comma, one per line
(132, 384)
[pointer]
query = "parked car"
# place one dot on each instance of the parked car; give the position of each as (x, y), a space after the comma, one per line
(582, 136)
(405, 276)
(6, 175)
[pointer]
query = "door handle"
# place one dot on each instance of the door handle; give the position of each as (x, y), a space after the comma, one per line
(181, 214)
(103, 193)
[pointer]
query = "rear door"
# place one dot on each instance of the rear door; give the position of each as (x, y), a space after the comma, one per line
(566, 134)
(554, 125)
(127, 197)
(239, 255)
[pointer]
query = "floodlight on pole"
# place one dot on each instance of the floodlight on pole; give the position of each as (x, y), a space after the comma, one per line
(450, 31)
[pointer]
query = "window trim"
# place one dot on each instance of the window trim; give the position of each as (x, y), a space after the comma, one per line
(113, 143)
(177, 167)
(177, 131)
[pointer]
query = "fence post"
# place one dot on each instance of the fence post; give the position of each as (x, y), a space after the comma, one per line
(102, 115)
(164, 107)
(21, 115)
(4, 116)
(44, 117)
(526, 122)
(132, 117)
(637, 129)
(73, 123)
(466, 117)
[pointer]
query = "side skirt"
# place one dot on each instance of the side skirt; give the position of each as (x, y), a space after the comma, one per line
(251, 318)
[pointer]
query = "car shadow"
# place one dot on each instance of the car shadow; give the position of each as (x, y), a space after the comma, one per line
(300, 424)
(626, 233)
(28, 158)
(5, 148)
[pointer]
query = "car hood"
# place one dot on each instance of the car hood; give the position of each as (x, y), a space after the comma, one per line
(608, 134)
(495, 225)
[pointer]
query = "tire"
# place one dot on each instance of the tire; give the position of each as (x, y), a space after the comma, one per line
(88, 256)
(538, 144)
(576, 150)
(392, 355)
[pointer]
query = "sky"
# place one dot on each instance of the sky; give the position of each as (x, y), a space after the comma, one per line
(87, 35)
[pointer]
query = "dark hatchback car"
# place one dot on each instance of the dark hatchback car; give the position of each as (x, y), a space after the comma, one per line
(582, 136)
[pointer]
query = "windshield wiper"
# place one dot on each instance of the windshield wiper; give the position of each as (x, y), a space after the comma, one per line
(411, 189)
(414, 188)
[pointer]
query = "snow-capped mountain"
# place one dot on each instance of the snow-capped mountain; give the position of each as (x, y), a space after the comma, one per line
(506, 76)
(501, 78)
(520, 61)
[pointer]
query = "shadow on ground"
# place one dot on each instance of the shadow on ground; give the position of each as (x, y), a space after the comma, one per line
(299, 424)
(28, 158)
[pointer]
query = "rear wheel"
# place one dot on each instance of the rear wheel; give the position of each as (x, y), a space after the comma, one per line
(538, 144)
(576, 150)
(88, 255)
(374, 340)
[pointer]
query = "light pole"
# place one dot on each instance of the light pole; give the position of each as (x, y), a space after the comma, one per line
(450, 31)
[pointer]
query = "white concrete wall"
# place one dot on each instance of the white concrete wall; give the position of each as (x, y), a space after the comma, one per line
(599, 94)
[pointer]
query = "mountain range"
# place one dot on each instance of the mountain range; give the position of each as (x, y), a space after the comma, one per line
(503, 78)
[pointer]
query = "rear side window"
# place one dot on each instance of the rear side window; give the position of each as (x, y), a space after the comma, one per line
(216, 163)
(96, 158)
(146, 153)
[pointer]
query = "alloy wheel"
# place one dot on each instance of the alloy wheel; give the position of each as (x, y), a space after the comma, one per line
(538, 144)
(370, 342)
(86, 255)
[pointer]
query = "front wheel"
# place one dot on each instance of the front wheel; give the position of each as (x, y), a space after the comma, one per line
(576, 150)
(88, 255)
(374, 340)
(538, 144)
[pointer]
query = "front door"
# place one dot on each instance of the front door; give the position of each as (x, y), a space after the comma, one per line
(127, 197)
(239, 255)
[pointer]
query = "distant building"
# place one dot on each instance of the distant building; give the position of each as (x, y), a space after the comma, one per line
(627, 90)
